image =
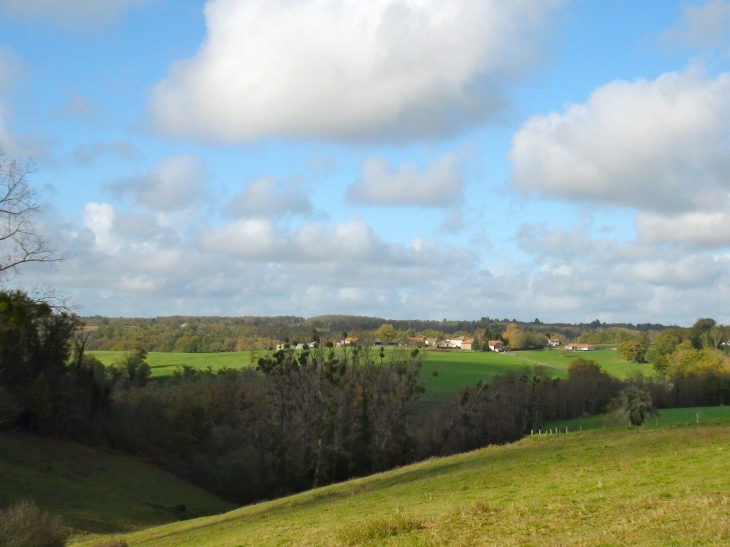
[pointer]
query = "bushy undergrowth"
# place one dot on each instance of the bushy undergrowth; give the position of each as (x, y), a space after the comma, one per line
(25, 525)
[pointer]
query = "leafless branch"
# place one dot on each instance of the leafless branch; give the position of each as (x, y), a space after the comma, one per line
(20, 242)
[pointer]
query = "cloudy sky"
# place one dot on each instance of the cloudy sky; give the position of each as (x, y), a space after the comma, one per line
(566, 160)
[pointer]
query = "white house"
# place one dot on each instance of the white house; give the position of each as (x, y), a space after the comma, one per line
(455, 342)
(496, 345)
(579, 347)
(553, 343)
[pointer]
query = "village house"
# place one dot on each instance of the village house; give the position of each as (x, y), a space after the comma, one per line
(347, 342)
(553, 343)
(300, 345)
(455, 342)
(467, 344)
(579, 347)
(496, 345)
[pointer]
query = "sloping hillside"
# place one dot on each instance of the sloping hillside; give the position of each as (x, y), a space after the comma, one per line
(96, 490)
(666, 486)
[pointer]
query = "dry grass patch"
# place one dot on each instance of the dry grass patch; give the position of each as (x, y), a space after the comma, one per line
(378, 529)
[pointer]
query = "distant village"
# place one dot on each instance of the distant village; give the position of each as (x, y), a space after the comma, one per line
(457, 343)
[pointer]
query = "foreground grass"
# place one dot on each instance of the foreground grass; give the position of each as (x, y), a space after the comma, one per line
(96, 490)
(665, 486)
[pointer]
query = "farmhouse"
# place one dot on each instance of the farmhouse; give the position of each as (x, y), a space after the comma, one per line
(496, 345)
(455, 342)
(579, 347)
(467, 343)
(347, 342)
(300, 345)
(553, 343)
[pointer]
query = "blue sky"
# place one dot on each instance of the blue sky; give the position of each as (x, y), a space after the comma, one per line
(400, 158)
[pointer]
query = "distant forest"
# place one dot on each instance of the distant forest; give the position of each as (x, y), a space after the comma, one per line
(221, 334)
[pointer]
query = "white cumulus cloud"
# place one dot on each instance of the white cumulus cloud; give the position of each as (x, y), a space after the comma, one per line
(349, 69)
(708, 229)
(99, 218)
(659, 145)
(347, 242)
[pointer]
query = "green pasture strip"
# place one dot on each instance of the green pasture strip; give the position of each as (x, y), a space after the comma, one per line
(645, 487)
(94, 490)
(455, 369)
(458, 369)
(164, 364)
(609, 359)
(666, 417)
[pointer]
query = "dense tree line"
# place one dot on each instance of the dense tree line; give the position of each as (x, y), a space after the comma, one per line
(218, 334)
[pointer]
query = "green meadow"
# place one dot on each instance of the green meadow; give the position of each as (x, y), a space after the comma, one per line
(458, 369)
(96, 491)
(609, 359)
(164, 364)
(665, 417)
(665, 486)
(443, 371)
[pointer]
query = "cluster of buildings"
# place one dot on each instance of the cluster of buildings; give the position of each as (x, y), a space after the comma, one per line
(459, 342)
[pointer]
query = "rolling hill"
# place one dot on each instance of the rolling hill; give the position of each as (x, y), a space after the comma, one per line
(649, 487)
(96, 491)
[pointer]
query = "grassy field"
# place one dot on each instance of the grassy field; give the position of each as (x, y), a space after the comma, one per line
(670, 416)
(648, 487)
(96, 490)
(164, 364)
(609, 359)
(455, 369)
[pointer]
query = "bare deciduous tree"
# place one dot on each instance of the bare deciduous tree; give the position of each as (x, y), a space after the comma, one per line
(20, 242)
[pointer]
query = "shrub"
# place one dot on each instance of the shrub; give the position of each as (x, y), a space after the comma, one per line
(634, 405)
(25, 525)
